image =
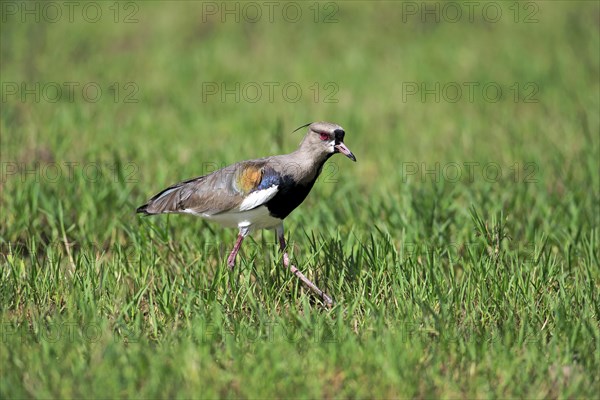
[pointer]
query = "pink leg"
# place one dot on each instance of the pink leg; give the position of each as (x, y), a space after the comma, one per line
(236, 248)
(295, 271)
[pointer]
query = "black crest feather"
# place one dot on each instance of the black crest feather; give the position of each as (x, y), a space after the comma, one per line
(300, 127)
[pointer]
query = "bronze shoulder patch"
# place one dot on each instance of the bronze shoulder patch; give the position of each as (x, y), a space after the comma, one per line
(249, 178)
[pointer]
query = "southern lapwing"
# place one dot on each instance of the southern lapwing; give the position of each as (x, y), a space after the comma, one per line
(257, 194)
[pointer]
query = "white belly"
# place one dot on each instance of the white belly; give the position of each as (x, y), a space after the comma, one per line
(251, 220)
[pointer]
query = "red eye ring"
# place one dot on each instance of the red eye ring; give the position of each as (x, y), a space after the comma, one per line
(324, 136)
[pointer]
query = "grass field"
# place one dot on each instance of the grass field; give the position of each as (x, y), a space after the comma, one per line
(462, 249)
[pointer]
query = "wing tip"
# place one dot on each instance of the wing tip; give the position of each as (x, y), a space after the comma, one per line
(156, 204)
(143, 210)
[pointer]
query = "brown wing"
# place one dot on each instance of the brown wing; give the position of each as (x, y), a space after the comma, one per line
(221, 191)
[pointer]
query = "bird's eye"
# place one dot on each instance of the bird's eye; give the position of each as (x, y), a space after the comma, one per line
(324, 136)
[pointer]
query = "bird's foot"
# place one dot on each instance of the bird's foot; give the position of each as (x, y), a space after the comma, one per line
(231, 261)
(321, 294)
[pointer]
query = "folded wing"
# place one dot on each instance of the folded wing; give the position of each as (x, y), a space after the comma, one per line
(239, 187)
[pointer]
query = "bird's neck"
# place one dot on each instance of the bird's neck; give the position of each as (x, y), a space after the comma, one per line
(308, 164)
(306, 155)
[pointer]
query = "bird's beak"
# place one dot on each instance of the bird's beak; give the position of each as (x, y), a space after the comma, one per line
(341, 147)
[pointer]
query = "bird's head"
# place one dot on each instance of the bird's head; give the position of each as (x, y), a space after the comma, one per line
(325, 139)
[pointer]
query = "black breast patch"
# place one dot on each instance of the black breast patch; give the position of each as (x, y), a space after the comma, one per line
(290, 195)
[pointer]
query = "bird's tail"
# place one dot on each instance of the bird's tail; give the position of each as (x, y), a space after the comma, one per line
(170, 199)
(166, 201)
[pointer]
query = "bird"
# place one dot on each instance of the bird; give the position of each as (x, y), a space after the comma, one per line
(257, 194)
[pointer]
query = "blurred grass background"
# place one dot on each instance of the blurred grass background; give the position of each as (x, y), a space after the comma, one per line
(444, 287)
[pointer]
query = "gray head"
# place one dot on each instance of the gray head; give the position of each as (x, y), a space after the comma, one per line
(325, 139)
